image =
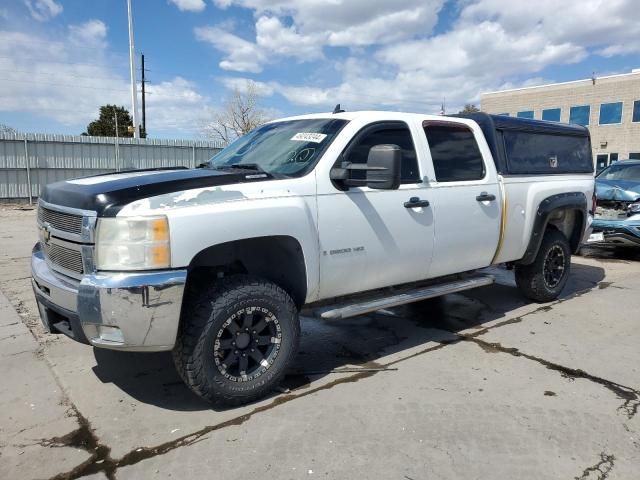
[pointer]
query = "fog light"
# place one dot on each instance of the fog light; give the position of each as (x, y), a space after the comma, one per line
(110, 334)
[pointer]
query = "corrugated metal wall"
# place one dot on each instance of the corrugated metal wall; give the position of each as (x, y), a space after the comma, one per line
(59, 157)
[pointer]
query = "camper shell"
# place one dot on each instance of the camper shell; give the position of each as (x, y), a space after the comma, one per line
(535, 147)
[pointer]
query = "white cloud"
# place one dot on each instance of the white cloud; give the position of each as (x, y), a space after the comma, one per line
(489, 45)
(242, 55)
(189, 5)
(177, 105)
(92, 34)
(302, 29)
(43, 10)
(54, 78)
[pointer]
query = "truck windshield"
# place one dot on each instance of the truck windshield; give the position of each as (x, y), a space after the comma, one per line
(288, 148)
(621, 172)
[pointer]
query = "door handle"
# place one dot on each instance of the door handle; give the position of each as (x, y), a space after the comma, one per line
(416, 202)
(486, 197)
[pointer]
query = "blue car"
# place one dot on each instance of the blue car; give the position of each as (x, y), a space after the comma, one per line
(617, 216)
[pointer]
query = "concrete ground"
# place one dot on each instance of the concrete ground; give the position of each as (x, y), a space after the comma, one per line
(480, 385)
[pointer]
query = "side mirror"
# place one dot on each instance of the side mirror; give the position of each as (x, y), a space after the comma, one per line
(382, 169)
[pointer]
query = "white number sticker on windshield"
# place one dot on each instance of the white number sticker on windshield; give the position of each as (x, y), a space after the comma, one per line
(309, 137)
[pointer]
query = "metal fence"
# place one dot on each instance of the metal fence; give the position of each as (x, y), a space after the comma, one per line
(30, 161)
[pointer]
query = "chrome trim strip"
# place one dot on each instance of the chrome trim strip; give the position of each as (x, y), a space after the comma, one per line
(371, 305)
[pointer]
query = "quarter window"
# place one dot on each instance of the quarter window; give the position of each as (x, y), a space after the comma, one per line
(551, 114)
(526, 114)
(392, 134)
(455, 153)
(610, 113)
(636, 111)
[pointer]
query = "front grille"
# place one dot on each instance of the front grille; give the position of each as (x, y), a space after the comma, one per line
(65, 222)
(64, 257)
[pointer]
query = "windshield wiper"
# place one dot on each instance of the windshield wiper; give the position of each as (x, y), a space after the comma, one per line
(254, 167)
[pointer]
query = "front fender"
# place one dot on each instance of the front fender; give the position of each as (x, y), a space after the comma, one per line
(196, 229)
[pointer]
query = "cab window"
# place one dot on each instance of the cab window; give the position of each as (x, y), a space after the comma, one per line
(454, 151)
(389, 133)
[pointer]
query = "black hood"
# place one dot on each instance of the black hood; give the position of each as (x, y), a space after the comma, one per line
(107, 194)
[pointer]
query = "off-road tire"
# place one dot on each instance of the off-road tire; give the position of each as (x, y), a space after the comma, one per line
(204, 313)
(531, 280)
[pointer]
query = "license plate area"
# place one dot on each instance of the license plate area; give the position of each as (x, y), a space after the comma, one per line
(596, 237)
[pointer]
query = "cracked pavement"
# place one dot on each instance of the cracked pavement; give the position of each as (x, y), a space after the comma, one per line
(480, 385)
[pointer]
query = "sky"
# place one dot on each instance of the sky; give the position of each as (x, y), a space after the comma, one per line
(61, 59)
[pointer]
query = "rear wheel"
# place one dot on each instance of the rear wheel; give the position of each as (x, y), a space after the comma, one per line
(236, 340)
(544, 279)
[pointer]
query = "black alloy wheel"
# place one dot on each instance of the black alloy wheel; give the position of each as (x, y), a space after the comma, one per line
(247, 344)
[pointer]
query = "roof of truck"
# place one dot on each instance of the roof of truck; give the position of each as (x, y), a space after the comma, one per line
(485, 120)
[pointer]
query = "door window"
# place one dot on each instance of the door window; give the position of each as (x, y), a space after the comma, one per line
(395, 134)
(455, 153)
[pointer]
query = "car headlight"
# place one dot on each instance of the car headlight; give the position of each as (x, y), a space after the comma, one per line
(634, 208)
(132, 243)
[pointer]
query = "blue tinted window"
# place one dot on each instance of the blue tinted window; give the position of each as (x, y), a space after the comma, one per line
(636, 111)
(580, 115)
(610, 113)
(526, 114)
(551, 114)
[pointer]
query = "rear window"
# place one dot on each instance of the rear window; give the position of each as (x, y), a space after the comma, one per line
(532, 153)
(455, 153)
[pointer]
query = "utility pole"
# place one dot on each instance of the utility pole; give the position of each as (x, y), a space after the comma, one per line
(132, 68)
(144, 112)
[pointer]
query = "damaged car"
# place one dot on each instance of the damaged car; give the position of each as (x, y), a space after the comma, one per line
(617, 214)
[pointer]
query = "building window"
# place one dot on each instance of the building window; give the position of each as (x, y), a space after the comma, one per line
(551, 114)
(613, 157)
(526, 114)
(601, 161)
(610, 113)
(634, 156)
(580, 115)
(636, 111)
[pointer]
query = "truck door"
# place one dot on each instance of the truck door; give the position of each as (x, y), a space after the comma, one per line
(465, 198)
(368, 237)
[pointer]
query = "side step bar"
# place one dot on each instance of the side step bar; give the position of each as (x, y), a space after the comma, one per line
(423, 293)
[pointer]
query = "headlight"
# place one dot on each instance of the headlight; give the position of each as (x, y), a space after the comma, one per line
(634, 208)
(132, 243)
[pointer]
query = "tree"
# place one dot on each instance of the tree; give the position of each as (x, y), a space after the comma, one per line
(7, 129)
(240, 114)
(469, 108)
(105, 125)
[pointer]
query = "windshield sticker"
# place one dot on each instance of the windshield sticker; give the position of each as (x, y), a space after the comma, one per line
(309, 137)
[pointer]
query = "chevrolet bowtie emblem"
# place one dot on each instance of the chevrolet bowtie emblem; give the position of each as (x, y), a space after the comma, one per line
(46, 233)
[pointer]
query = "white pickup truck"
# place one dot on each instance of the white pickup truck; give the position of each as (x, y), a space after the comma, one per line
(340, 214)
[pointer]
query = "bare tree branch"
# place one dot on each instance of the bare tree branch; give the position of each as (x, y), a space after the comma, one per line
(239, 115)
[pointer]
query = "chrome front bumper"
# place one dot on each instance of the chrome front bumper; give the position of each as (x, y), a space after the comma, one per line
(122, 311)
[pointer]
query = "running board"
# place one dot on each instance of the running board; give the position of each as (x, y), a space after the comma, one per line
(410, 296)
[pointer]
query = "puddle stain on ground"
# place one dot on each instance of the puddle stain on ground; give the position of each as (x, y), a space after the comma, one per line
(630, 396)
(600, 470)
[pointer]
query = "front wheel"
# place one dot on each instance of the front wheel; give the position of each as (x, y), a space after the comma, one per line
(544, 279)
(236, 340)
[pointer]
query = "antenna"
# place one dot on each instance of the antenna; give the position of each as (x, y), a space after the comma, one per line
(337, 109)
